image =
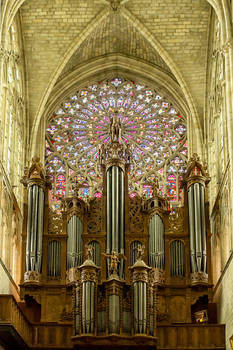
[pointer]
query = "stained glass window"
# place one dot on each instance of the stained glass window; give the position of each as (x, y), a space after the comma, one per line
(151, 126)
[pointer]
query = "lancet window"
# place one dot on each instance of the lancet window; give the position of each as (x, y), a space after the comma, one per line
(12, 110)
(145, 121)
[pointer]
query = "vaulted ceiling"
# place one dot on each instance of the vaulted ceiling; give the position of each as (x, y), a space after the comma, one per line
(59, 35)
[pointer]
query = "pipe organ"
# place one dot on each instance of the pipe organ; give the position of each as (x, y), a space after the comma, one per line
(196, 181)
(35, 181)
(117, 285)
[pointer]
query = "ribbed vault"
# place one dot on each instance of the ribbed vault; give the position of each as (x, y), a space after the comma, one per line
(115, 35)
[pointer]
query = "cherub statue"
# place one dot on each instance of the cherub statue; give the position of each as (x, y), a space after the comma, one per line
(89, 251)
(140, 251)
(114, 260)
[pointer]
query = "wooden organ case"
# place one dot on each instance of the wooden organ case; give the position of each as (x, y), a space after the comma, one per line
(115, 271)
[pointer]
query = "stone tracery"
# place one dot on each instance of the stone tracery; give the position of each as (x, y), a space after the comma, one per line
(121, 110)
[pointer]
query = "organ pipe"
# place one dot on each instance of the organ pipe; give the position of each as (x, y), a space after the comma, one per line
(115, 213)
(197, 227)
(140, 307)
(88, 286)
(54, 259)
(35, 223)
(177, 255)
(156, 242)
(74, 242)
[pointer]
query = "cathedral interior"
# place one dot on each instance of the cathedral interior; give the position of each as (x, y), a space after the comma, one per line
(116, 174)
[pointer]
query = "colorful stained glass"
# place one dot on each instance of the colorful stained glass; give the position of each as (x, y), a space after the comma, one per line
(150, 125)
(60, 186)
(171, 188)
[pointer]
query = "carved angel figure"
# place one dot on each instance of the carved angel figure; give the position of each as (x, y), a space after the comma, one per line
(114, 260)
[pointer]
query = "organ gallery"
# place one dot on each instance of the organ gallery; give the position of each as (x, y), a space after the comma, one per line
(116, 174)
(124, 266)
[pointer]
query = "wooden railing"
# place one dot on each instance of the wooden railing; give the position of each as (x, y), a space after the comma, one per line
(191, 336)
(10, 314)
(45, 335)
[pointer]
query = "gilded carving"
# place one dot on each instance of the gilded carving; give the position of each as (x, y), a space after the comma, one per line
(136, 219)
(140, 276)
(88, 276)
(32, 276)
(199, 277)
(157, 276)
(94, 216)
(72, 275)
(55, 222)
(176, 221)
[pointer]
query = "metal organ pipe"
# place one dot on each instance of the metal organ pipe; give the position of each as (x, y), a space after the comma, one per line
(191, 229)
(197, 227)
(74, 242)
(115, 213)
(40, 229)
(54, 259)
(88, 298)
(35, 224)
(197, 219)
(29, 222)
(177, 254)
(203, 226)
(156, 242)
(140, 307)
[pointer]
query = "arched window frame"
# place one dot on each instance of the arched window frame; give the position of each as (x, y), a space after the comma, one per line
(60, 162)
